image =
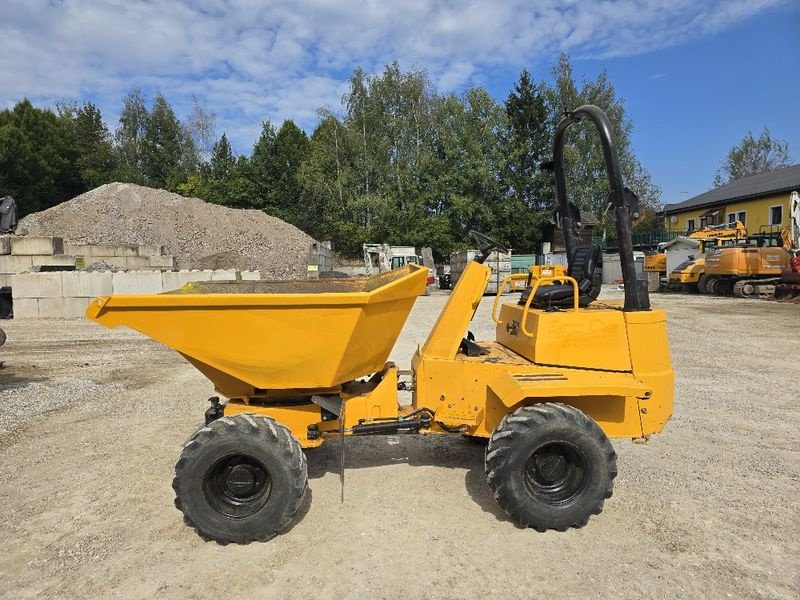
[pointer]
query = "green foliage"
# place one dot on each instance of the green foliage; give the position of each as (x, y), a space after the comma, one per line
(167, 151)
(526, 144)
(91, 142)
(583, 154)
(38, 163)
(129, 138)
(753, 156)
(402, 164)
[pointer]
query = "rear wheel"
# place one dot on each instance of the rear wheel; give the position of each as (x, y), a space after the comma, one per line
(240, 479)
(550, 466)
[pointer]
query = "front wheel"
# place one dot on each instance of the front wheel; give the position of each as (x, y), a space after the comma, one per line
(550, 466)
(240, 479)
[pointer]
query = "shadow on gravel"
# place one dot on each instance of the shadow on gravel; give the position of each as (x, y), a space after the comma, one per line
(446, 451)
(11, 378)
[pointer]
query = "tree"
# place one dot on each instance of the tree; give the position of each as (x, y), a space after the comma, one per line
(526, 142)
(583, 154)
(261, 166)
(37, 158)
(291, 147)
(752, 157)
(168, 153)
(91, 142)
(129, 138)
(201, 127)
(465, 178)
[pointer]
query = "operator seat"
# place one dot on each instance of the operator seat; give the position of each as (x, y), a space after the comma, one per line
(585, 266)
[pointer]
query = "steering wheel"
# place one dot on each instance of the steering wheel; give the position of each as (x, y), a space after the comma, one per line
(486, 245)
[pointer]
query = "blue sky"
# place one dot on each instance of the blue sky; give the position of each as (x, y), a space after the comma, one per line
(695, 74)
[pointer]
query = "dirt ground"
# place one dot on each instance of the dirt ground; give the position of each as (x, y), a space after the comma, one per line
(93, 421)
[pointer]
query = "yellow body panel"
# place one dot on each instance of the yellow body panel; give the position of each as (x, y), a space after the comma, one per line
(278, 338)
(592, 338)
(689, 274)
(655, 263)
(286, 354)
(746, 261)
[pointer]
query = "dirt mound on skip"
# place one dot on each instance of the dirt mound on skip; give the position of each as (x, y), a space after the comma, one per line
(199, 234)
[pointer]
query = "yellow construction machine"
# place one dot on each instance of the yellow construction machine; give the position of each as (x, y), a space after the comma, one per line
(749, 269)
(686, 275)
(304, 362)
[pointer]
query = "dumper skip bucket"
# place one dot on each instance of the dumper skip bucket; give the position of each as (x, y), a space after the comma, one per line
(274, 335)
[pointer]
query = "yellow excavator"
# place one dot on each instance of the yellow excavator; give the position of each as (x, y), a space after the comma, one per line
(749, 269)
(685, 276)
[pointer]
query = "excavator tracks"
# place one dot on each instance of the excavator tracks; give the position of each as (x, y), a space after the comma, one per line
(755, 288)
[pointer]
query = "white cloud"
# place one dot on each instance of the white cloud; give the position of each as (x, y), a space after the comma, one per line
(249, 60)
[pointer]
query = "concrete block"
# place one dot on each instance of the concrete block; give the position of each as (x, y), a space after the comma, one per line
(158, 261)
(251, 275)
(5, 244)
(80, 250)
(63, 307)
(151, 250)
(37, 285)
(101, 250)
(5, 279)
(58, 260)
(135, 262)
(15, 264)
(76, 284)
(126, 250)
(26, 308)
(223, 275)
(137, 282)
(117, 261)
(25, 245)
(175, 280)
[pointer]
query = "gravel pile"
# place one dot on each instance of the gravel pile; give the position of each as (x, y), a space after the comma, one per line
(199, 234)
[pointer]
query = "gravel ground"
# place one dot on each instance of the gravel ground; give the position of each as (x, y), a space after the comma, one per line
(93, 421)
(199, 234)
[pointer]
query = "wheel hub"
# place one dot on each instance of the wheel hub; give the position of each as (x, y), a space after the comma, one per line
(242, 481)
(556, 472)
(237, 486)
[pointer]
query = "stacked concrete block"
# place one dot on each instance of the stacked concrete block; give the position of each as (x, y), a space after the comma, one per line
(78, 284)
(124, 256)
(175, 280)
(15, 264)
(36, 246)
(5, 245)
(26, 308)
(42, 295)
(68, 293)
(160, 261)
(137, 282)
(224, 275)
(37, 285)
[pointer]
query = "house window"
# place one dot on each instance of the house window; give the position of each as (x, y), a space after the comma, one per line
(740, 216)
(689, 224)
(776, 215)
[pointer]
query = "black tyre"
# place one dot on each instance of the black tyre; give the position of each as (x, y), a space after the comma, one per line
(2, 337)
(240, 479)
(702, 284)
(550, 466)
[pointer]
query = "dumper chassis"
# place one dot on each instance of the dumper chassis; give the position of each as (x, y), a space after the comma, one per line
(303, 363)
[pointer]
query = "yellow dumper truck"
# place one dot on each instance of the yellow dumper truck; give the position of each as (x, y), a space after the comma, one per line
(304, 362)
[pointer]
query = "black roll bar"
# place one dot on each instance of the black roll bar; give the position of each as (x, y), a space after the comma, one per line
(636, 294)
